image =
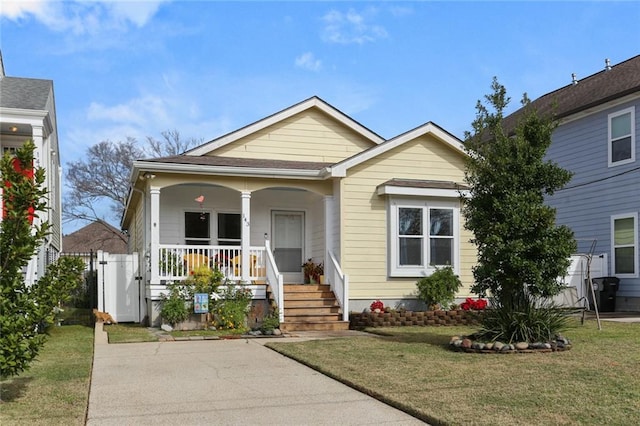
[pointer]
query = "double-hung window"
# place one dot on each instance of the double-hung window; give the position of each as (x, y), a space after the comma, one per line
(624, 245)
(229, 229)
(197, 228)
(622, 138)
(423, 236)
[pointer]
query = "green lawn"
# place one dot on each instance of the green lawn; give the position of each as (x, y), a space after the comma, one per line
(55, 390)
(595, 383)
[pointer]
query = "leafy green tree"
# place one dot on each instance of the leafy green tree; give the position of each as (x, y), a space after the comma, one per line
(26, 311)
(521, 251)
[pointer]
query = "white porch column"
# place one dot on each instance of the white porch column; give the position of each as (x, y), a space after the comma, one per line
(328, 232)
(245, 235)
(155, 233)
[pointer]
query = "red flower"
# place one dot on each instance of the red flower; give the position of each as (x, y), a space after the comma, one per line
(377, 305)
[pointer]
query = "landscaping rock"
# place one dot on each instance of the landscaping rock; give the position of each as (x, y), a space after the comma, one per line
(498, 346)
(521, 346)
(166, 327)
(466, 343)
(277, 332)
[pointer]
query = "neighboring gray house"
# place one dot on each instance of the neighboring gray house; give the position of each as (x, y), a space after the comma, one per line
(599, 120)
(27, 112)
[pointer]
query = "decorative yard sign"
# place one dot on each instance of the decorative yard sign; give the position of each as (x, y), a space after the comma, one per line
(201, 303)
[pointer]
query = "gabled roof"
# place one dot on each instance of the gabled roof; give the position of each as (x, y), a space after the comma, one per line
(340, 169)
(313, 102)
(24, 93)
(98, 235)
(605, 86)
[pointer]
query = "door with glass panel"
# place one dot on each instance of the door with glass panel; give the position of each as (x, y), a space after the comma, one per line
(288, 244)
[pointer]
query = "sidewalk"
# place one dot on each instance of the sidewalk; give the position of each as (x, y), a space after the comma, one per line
(221, 382)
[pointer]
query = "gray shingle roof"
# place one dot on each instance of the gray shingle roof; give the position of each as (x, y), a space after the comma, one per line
(621, 80)
(208, 160)
(24, 93)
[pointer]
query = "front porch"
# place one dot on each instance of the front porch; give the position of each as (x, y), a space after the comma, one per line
(301, 306)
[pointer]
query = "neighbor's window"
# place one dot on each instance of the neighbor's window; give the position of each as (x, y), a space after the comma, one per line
(229, 229)
(197, 228)
(423, 236)
(622, 137)
(624, 230)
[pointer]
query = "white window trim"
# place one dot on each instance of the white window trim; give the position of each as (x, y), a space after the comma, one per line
(634, 216)
(394, 268)
(632, 117)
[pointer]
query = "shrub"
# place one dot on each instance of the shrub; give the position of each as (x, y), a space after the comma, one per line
(271, 321)
(439, 288)
(176, 306)
(231, 309)
(525, 321)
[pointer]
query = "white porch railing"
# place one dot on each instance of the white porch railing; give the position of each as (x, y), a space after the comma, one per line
(339, 282)
(175, 261)
(275, 280)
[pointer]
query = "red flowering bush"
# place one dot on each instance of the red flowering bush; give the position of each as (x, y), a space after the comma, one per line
(377, 304)
(473, 305)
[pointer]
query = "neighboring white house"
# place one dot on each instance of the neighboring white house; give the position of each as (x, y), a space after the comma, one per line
(27, 112)
(307, 182)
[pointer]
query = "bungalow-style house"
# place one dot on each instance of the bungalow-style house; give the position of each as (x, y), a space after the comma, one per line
(596, 140)
(27, 112)
(311, 184)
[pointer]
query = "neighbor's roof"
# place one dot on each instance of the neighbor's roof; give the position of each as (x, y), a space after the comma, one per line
(24, 93)
(607, 85)
(98, 235)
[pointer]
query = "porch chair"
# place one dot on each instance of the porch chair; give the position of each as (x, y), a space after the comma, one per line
(236, 263)
(193, 260)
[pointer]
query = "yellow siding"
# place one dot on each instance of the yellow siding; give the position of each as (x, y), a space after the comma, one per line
(365, 222)
(308, 136)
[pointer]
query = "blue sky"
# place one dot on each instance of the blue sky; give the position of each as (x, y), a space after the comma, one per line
(205, 68)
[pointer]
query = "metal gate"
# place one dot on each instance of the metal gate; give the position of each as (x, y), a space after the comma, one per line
(119, 286)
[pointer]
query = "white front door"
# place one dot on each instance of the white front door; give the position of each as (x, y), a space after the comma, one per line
(288, 244)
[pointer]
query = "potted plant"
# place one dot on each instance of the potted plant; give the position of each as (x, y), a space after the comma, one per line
(318, 274)
(308, 269)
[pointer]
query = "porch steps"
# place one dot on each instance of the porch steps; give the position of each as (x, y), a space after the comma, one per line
(309, 307)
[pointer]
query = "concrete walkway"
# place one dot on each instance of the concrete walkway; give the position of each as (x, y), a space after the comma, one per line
(221, 382)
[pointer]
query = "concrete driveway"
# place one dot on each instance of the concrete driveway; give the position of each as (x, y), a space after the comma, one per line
(220, 382)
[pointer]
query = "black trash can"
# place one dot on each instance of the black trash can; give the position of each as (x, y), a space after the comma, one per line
(605, 289)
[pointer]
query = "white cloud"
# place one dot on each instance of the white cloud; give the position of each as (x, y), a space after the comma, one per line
(82, 17)
(351, 27)
(308, 61)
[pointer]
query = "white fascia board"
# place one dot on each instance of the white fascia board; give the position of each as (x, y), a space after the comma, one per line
(422, 192)
(340, 169)
(227, 171)
(23, 116)
(283, 115)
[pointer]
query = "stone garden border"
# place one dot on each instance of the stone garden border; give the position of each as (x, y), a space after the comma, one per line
(400, 318)
(359, 320)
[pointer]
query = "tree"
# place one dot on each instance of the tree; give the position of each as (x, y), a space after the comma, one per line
(521, 251)
(26, 311)
(103, 174)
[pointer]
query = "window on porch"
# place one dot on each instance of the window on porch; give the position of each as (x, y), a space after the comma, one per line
(229, 229)
(197, 228)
